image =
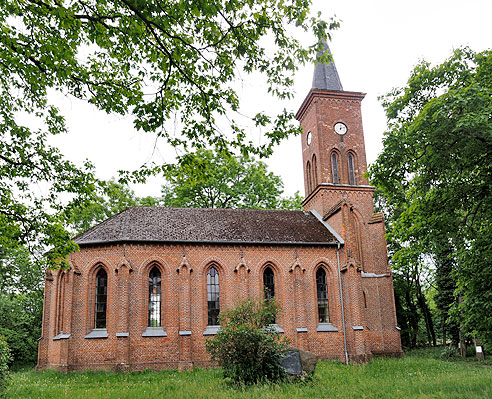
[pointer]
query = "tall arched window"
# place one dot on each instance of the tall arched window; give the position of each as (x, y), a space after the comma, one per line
(351, 169)
(213, 296)
(155, 297)
(323, 315)
(309, 177)
(315, 172)
(335, 169)
(269, 283)
(60, 300)
(269, 288)
(101, 298)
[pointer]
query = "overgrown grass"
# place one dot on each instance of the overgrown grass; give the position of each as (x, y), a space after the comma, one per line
(415, 376)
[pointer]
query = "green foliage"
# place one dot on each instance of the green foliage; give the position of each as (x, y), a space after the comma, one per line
(21, 303)
(436, 176)
(5, 359)
(110, 198)
(247, 347)
(153, 61)
(207, 179)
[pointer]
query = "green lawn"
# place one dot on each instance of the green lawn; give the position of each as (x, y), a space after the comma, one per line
(418, 375)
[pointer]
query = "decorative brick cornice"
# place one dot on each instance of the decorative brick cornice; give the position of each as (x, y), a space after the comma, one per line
(330, 94)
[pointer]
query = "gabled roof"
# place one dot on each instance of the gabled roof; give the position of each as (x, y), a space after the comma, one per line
(197, 225)
(325, 76)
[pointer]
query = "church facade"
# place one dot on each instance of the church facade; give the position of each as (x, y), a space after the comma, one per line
(147, 286)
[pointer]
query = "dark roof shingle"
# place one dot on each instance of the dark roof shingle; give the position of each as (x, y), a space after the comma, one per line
(159, 224)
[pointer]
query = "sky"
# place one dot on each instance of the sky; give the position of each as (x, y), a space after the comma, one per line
(375, 49)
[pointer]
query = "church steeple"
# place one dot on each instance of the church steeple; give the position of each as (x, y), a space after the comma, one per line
(325, 75)
(333, 150)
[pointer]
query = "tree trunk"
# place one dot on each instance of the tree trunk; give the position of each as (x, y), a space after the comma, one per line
(479, 349)
(429, 325)
(462, 344)
(413, 318)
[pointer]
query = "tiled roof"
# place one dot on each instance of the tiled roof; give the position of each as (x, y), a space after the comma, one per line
(159, 224)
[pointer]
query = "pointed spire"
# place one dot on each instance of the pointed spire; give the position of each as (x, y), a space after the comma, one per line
(325, 75)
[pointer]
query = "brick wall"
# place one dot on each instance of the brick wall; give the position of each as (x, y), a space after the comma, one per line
(184, 303)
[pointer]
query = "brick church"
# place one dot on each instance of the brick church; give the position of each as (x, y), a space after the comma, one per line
(148, 284)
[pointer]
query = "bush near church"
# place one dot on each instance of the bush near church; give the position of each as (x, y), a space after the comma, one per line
(5, 358)
(247, 347)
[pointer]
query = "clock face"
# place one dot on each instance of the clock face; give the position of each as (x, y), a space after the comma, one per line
(340, 128)
(309, 138)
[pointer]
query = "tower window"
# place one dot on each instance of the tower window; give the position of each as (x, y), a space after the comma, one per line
(154, 297)
(315, 172)
(351, 170)
(101, 298)
(335, 170)
(323, 316)
(309, 177)
(213, 296)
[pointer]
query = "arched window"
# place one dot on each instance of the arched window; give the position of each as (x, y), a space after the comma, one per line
(335, 169)
(154, 297)
(309, 177)
(101, 298)
(323, 315)
(269, 288)
(351, 169)
(315, 172)
(213, 296)
(269, 283)
(60, 300)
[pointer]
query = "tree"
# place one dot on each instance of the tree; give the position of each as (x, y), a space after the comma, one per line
(210, 179)
(436, 169)
(154, 60)
(246, 347)
(21, 303)
(5, 359)
(111, 198)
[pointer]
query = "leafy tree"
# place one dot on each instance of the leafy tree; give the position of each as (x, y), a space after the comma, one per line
(210, 179)
(436, 170)
(5, 358)
(246, 347)
(111, 198)
(153, 60)
(21, 303)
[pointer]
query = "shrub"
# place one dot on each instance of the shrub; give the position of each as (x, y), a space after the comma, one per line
(5, 358)
(246, 347)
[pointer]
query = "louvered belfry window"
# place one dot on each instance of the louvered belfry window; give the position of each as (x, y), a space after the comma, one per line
(101, 298)
(155, 297)
(213, 296)
(335, 170)
(321, 288)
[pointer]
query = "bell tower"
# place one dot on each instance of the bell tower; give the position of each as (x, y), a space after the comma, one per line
(334, 163)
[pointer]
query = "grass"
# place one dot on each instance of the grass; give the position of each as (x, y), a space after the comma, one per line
(417, 375)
